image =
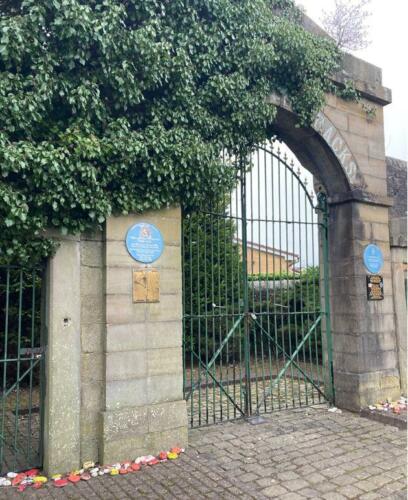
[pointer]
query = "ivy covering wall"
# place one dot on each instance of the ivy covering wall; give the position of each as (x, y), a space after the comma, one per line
(114, 106)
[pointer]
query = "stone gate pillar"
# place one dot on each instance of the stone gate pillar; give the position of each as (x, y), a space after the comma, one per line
(144, 407)
(114, 371)
(365, 354)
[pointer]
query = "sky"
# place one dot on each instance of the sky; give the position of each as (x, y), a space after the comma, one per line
(389, 51)
(388, 48)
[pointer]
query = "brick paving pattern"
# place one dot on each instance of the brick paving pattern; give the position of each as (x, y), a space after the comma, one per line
(306, 453)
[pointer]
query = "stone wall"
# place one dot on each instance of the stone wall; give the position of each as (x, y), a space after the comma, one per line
(399, 282)
(365, 354)
(93, 333)
(397, 190)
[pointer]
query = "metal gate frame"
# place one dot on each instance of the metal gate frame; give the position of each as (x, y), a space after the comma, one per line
(247, 319)
(22, 340)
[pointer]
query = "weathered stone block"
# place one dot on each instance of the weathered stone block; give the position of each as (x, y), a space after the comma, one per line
(338, 118)
(92, 337)
(166, 220)
(167, 416)
(170, 281)
(164, 361)
(92, 396)
(347, 344)
(125, 365)
(357, 144)
(127, 448)
(164, 334)
(356, 391)
(170, 259)
(371, 166)
(168, 309)
(331, 100)
(126, 393)
(92, 253)
(92, 367)
(117, 255)
(119, 280)
(389, 381)
(347, 361)
(92, 235)
(361, 322)
(91, 281)
(169, 438)
(376, 149)
(376, 185)
(92, 309)
(89, 450)
(164, 388)
(383, 341)
(127, 337)
(380, 232)
(121, 310)
(122, 423)
(370, 213)
(380, 360)
(63, 320)
(90, 425)
(357, 125)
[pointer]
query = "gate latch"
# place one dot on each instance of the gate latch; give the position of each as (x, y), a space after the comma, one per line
(34, 352)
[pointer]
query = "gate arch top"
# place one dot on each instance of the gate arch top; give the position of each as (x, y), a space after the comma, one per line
(344, 147)
(321, 149)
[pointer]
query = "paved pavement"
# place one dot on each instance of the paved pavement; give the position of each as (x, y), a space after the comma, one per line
(307, 453)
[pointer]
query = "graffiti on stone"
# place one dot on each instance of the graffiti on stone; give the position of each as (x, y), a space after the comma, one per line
(338, 145)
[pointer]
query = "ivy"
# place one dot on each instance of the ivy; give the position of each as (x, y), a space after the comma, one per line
(113, 107)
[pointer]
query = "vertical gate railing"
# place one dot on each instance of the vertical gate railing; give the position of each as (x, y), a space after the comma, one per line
(256, 322)
(21, 368)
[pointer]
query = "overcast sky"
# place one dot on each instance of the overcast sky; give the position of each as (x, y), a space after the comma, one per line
(389, 51)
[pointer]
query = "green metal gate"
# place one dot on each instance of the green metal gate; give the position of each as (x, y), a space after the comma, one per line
(256, 321)
(21, 368)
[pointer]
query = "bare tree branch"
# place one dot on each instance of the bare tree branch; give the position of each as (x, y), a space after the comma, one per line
(347, 23)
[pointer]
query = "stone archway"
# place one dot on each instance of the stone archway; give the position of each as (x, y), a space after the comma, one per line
(125, 391)
(344, 150)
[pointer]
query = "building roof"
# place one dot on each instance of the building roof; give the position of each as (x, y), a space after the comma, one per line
(270, 250)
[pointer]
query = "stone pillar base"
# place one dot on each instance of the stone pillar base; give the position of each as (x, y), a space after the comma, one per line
(132, 432)
(356, 391)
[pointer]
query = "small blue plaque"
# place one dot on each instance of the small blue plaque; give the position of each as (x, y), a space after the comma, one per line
(144, 242)
(373, 259)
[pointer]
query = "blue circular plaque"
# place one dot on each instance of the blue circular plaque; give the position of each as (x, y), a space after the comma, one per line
(144, 242)
(373, 259)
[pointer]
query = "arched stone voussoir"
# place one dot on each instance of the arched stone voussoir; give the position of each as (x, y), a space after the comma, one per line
(321, 148)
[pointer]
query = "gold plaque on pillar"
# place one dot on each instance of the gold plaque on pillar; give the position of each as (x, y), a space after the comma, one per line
(146, 285)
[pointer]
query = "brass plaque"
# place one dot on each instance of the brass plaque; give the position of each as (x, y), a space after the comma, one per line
(146, 286)
(375, 287)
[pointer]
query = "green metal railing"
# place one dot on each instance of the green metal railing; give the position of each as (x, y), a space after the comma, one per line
(21, 368)
(253, 345)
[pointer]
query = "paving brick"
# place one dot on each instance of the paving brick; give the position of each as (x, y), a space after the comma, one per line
(296, 484)
(334, 496)
(237, 460)
(274, 491)
(350, 491)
